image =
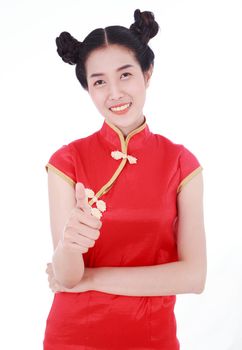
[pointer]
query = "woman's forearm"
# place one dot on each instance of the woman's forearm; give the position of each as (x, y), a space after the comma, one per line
(68, 266)
(166, 279)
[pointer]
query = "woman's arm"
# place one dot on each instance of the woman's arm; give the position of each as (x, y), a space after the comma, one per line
(68, 266)
(187, 275)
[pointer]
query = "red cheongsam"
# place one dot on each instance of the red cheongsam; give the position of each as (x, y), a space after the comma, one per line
(138, 178)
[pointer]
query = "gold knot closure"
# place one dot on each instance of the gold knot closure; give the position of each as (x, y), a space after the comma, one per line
(101, 205)
(119, 155)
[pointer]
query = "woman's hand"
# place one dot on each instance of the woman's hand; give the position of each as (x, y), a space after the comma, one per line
(83, 286)
(82, 229)
(54, 285)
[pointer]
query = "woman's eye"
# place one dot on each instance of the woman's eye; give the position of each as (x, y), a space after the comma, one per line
(125, 74)
(102, 82)
(98, 82)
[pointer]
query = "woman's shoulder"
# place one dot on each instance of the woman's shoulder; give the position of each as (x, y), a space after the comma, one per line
(175, 151)
(83, 141)
(178, 158)
(64, 159)
(168, 143)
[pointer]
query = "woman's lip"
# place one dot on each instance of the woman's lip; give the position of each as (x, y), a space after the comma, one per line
(120, 105)
(121, 111)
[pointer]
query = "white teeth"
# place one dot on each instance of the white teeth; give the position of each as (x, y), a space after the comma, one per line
(121, 108)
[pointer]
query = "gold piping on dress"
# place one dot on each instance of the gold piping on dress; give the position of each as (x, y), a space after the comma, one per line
(57, 171)
(124, 146)
(188, 178)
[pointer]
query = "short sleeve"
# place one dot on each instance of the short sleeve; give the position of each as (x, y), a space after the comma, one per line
(62, 163)
(189, 167)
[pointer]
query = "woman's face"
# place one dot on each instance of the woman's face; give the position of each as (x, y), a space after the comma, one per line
(117, 86)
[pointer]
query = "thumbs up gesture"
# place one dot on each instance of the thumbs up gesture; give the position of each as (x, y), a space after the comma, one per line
(82, 228)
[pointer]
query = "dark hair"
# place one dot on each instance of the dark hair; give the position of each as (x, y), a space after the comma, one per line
(135, 38)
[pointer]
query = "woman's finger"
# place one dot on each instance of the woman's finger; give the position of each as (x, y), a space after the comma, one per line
(81, 198)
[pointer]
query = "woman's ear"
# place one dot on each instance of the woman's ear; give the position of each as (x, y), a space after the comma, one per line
(148, 74)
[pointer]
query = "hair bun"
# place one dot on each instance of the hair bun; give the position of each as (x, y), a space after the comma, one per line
(68, 48)
(145, 26)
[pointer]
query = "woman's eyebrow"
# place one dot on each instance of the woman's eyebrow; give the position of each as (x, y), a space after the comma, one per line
(117, 70)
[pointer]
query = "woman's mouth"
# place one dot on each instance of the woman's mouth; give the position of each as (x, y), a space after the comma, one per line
(121, 108)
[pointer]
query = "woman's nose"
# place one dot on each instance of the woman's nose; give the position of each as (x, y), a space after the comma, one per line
(115, 93)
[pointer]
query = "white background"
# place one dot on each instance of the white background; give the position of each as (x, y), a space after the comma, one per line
(194, 99)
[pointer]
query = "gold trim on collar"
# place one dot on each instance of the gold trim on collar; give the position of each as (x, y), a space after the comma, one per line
(124, 146)
(125, 141)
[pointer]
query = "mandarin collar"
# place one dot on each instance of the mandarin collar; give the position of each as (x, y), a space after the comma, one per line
(135, 139)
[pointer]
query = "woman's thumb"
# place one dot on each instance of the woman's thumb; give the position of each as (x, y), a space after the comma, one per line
(81, 198)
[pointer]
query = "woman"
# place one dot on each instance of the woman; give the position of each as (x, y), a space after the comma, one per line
(125, 206)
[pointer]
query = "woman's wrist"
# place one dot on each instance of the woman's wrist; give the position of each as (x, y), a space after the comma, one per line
(89, 277)
(68, 265)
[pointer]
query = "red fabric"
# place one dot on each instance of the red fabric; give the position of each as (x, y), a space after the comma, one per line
(138, 230)
(63, 160)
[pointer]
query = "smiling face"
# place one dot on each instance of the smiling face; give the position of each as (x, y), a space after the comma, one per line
(117, 86)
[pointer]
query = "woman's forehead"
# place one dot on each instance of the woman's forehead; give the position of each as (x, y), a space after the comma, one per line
(110, 57)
